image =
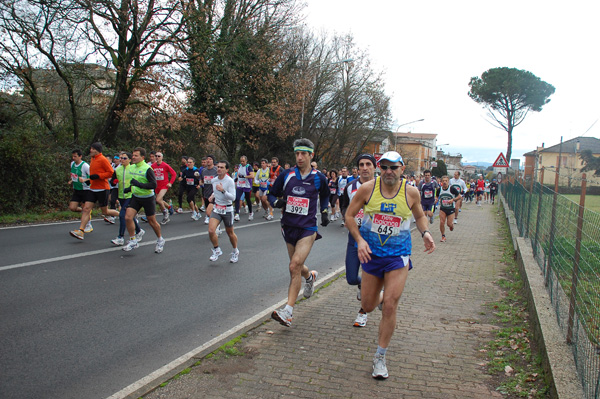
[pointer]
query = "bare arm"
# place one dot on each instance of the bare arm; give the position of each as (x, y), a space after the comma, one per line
(414, 202)
(358, 201)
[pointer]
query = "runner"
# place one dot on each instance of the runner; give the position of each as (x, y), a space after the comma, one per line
(493, 190)
(480, 189)
(206, 176)
(182, 183)
(114, 192)
(222, 199)
(191, 178)
(122, 178)
(262, 177)
(100, 172)
(448, 196)
(162, 170)
(366, 164)
(255, 186)
(274, 171)
(298, 191)
(460, 185)
(244, 184)
(428, 188)
(80, 173)
(343, 181)
(142, 185)
(333, 193)
(384, 244)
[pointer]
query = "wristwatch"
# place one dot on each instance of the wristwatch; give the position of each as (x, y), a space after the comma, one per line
(423, 233)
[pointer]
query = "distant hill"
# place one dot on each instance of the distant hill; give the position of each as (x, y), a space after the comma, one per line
(480, 164)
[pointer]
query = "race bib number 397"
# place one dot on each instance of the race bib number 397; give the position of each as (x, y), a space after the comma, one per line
(297, 205)
(388, 225)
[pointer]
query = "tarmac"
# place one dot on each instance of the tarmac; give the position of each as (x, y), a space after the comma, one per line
(442, 325)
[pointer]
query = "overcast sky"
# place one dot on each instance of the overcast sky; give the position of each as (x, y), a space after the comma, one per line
(429, 50)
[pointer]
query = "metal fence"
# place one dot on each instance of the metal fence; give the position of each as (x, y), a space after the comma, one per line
(565, 238)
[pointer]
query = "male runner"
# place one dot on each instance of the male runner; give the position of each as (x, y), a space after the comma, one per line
(143, 183)
(182, 183)
(297, 191)
(427, 188)
(274, 171)
(384, 244)
(460, 185)
(191, 178)
(448, 196)
(480, 189)
(207, 174)
(80, 173)
(100, 172)
(366, 164)
(162, 170)
(493, 190)
(122, 178)
(222, 198)
(244, 185)
(114, 193)
(343, 181)
(262, 177)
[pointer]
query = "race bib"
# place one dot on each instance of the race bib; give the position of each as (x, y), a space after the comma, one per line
(447, 203)
(208, 179)
(388, 225)
(264, 184)
(220, 209)
(243, 182)
(359, 217)
(427, 193)
(297, 205)
(332, 190)
(74, 177)
(189, 181)
(159, 175)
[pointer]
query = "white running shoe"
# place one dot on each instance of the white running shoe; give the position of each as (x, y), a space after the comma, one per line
(236, 217)
(309, 284)
(180, 210)
(202, 209)
(455, 221)
(160, 244)
(166, 219)
(138, 236)
(245, 208)
(379, 368)
(197, 217)
(361, 320)
(194, 215)
(251, 216)
(118, 241)
(88, 227)
(269, 217)
(282, 316)
(234, 256)
(216, 252)
(109, 219)
(206, 219)
(132, 244)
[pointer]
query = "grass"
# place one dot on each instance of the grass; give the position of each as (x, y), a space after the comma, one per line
(511, 359)
(592, 202)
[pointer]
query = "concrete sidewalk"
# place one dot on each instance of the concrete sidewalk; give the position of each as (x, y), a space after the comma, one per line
(434, 352)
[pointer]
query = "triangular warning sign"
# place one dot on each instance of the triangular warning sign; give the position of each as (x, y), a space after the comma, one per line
(500, 162)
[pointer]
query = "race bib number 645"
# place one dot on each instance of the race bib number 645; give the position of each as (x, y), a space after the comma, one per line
(388, 225)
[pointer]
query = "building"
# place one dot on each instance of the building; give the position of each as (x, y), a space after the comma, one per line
(417, 150)
(570, 162)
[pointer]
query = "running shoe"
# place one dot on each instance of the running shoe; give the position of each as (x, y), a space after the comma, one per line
(379, 368)
(236, 217)
(270, 216)
(118, 241)
(215, 254)
(251, 216)
(166, 219)
(77, 234)
(194, 215)
(361, 320)
(234, 256)
(202, 209)
(138, 236)
(88, 227)
(343, 224)
(132, 244)
(206, 220)
(282, 316)
(455, 221)
(109, 219)
(443, 239)
(309, 284)
(144, 218)
(197, 217)
(180, 210)
(160, 244)
(431, 220)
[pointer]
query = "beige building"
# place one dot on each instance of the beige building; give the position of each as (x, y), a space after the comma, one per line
(570, 162)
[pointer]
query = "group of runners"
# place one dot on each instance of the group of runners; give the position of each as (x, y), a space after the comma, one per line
(376, 210)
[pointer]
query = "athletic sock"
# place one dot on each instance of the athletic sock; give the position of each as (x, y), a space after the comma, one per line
(381, 350)
(289, 308)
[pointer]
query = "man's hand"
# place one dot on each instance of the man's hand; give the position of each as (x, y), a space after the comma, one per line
(429, 244)
(364, 251)
(324, 218)
(280, 203)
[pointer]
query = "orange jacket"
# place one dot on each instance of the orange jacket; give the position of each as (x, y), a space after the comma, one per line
(100, 166)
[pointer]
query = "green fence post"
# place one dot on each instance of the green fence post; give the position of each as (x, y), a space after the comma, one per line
(539, 213)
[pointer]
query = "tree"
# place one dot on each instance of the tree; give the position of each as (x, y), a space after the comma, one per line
(440, 170)
(590, 162)
(509, 94)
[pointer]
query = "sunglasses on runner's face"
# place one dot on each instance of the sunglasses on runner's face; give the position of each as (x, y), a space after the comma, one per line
(124, 158)
(386, 167)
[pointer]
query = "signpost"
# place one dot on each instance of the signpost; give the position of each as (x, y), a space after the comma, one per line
(500, 163)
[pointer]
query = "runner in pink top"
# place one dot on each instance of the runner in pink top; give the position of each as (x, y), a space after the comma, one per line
(162, 170)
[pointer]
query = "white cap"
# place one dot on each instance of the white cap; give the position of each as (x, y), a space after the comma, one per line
(392, 156)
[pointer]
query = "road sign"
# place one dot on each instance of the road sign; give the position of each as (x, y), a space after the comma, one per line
(377, 156)
(500, 162)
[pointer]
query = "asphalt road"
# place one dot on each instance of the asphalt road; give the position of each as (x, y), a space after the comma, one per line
(83, 319)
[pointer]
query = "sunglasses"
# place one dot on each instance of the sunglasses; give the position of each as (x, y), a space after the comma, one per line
(386, 167)
(124, 159)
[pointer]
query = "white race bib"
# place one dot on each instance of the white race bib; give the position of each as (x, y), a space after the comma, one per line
(74, 177)
(297, 205)
(388, 225)
(189, 182)
(220, 209)
(359, 217)
(427, 193)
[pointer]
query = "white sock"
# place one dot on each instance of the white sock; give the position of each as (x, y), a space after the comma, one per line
(289, 308)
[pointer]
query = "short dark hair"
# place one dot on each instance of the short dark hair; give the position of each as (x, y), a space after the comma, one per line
(226, 164)
(264, 160)
(426, 171)
(191, 159)
(211, 157)
(97, 146)
(129, 155)
(275, 158)
(141, 150)
(184, 157)
(303, 143)
(152, 152)
(77, 151)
